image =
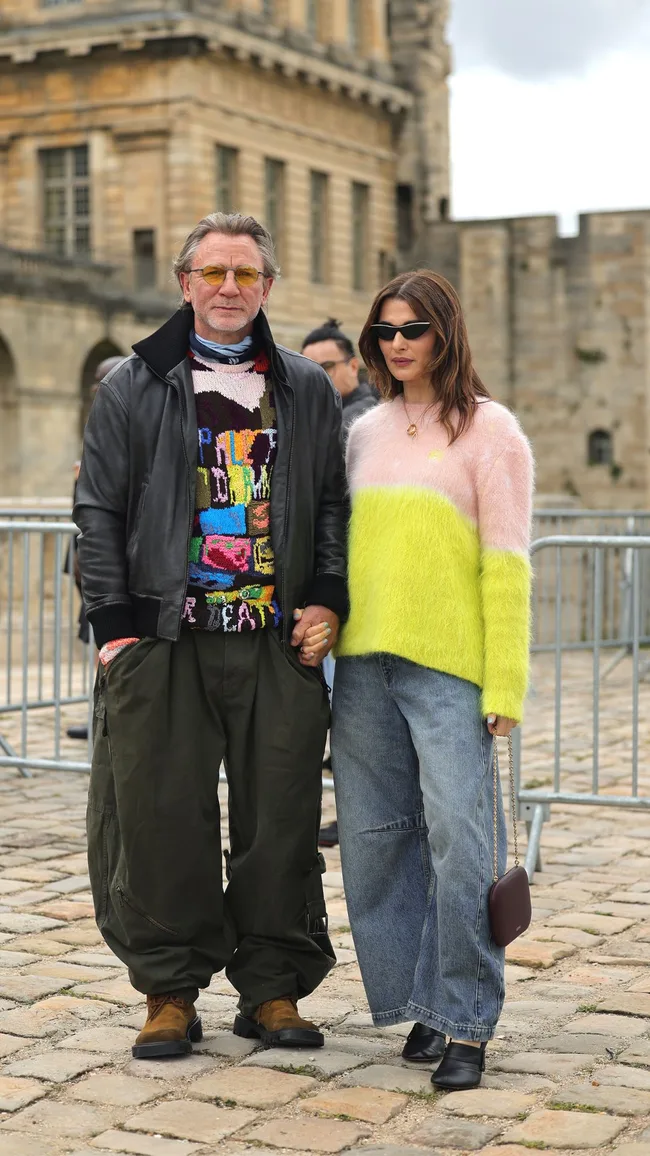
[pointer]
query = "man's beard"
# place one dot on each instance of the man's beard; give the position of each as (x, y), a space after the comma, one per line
(226, 325)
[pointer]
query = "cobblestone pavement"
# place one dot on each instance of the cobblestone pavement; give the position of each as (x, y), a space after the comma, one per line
(570, 1068)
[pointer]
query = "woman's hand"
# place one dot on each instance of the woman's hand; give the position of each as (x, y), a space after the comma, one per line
(315, 632)
(497, 724)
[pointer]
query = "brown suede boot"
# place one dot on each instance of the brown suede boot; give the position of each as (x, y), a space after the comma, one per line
(172, 1027)
(278, 1024)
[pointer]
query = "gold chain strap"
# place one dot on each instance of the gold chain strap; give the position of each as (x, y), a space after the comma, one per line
(513, 802)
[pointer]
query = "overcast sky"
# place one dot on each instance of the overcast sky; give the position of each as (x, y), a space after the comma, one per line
(550, 106)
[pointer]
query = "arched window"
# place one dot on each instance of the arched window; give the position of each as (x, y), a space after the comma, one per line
(600, 448)
(10, 481)
(97, 354)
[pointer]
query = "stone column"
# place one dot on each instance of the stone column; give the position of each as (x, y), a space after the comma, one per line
(292, 13)
(375, 43)
(336, 22)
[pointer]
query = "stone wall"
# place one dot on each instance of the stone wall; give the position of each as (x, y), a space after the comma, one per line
(151, 94)
(559, 329)
(153, 101)
(51, 341)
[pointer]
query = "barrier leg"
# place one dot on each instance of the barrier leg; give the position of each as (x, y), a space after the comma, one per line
(625, 653)
(10, 752)
(538, 864)
(533, 861)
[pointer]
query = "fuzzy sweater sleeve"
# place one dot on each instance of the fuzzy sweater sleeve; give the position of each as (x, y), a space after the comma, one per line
(505, 496)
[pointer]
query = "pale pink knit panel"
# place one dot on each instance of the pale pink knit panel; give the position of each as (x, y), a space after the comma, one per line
(486, 474)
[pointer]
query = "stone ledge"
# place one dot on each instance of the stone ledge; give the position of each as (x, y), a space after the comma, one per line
(23, 45)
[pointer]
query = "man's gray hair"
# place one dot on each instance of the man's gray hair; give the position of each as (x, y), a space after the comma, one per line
(230, 225)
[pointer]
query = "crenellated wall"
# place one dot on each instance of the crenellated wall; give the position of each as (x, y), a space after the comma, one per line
(560, 331)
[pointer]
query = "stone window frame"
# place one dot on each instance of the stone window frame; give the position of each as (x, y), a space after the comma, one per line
(226, 178)
(313, 18)
(356, 25)
(360, 234)
(145, 265)
(71, 223)
(600, 447)
(319, 222)
(275, 204)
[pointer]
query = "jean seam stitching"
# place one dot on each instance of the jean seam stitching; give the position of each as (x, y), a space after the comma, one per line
(398, 1011)
(482, 811)
(425, 856)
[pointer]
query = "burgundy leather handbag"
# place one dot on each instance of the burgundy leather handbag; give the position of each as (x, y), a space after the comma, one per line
(509, 897)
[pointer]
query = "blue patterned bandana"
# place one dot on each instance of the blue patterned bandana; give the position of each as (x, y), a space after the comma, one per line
(234, 354)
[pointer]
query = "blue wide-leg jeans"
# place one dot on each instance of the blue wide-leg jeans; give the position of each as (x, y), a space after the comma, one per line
(412, 762)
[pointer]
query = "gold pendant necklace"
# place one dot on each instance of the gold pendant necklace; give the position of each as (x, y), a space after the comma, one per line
(412, 429)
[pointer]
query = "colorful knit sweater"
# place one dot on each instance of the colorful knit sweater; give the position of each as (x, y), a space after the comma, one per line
(439, 571)
(231, 572)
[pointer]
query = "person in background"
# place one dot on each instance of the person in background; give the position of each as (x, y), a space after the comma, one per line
(334, 352)
(431, 666)
(72, 559)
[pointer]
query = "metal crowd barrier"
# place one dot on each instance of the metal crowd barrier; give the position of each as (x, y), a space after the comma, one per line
(44, 667)
(553, 521)
(611, 559)
(35, 513)
(596, 591)
(578, 578)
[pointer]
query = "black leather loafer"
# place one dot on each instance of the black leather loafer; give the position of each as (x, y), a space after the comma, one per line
(461, 1068)
(423, 1045)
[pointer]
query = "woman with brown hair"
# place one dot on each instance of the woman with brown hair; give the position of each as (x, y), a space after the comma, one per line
(432, 664)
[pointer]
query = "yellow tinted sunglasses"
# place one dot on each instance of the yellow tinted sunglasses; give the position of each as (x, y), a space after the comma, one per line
(216, 274)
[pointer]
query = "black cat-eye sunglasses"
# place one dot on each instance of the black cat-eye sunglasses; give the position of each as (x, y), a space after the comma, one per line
(410, 330)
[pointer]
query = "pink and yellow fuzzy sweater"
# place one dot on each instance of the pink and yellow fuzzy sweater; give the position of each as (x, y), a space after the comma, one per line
(439, 536)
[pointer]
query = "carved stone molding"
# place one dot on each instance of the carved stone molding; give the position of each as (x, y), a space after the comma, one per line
(336, 69)
(140, 136)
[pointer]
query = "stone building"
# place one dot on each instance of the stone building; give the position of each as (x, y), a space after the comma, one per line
(124, 121)
(560, 329)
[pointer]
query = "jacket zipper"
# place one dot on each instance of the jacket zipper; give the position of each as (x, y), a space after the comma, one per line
(127, 902)
(286, 519)
(191, 517)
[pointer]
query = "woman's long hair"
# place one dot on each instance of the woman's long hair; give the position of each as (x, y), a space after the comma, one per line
(456, 383)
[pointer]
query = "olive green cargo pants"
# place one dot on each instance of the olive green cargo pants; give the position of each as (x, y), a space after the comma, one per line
(166, 715)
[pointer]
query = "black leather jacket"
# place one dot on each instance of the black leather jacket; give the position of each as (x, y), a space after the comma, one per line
(135, 495)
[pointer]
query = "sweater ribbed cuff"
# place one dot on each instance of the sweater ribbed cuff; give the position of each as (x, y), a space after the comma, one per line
(112, 621)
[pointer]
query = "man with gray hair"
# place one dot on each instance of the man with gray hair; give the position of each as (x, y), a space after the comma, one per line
(211, 503)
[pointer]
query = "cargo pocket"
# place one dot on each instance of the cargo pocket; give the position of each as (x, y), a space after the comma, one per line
(101, 819)
(143, 929)
(103, 850)
(317, 928)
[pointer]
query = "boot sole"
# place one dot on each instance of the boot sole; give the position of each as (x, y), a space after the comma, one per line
(285, 1038)
(157, 1050)
(468, 1086)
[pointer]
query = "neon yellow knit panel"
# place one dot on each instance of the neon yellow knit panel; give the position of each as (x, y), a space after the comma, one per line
(422, 589)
